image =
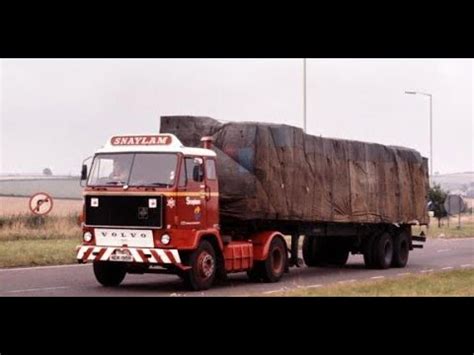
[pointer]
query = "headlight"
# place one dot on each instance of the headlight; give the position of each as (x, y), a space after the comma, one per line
(87, 236)
(165, 239)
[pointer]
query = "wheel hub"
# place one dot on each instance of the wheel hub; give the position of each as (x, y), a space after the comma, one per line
(206, 264)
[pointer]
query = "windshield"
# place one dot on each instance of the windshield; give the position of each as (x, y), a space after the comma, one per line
(134, 169)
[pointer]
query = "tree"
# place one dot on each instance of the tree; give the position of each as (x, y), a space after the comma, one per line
(436, 197)
(47, 172)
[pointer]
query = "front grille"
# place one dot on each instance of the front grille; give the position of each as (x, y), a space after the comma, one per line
(124, 211)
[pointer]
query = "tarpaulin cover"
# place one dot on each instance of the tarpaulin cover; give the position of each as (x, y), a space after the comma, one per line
(277, 172)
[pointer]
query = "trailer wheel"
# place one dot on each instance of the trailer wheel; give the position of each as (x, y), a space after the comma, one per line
(382, 251)
(401, 249)
(203, 264)
(337, 255)
(313, 251)
(273, 267)
(368, 251)
(109, 273)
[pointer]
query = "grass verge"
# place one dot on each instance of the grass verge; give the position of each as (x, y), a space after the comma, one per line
(449, 283)
(27, 240)
(40, 252)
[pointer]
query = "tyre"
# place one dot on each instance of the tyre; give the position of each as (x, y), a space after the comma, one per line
(337, 255)
(368, 250)
(273, 267)
(401, 249)
(382, 251)
(109, 273)
(203, 270)
(313, 251)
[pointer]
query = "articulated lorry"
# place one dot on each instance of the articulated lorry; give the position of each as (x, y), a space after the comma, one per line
(203, 199)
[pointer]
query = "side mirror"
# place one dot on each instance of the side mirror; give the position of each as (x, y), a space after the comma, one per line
(84, 172)
(198, 173)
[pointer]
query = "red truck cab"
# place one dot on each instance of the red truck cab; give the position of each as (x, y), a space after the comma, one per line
(151, 205)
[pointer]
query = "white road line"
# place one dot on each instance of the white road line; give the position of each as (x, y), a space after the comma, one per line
(42, 267)
(313, 286)
(377, 277)
(347, 281)
(404, 274)
(447, 268)
(274, 291)
(442, 250)
(429, 270)
(466, 265)
(37, 289)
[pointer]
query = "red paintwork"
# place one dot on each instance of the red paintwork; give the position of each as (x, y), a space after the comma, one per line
(261, 243)
(238, 256)
(204, 216)
(193, 215)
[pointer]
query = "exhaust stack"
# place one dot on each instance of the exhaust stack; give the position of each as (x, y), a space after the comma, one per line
(206, 142)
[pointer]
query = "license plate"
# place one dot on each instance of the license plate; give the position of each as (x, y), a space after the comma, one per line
(121, 257)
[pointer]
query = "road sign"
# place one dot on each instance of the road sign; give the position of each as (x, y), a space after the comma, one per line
(41, 203)
(454, 204)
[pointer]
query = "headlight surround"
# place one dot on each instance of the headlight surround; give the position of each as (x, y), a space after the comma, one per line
(165, 239)
(87, 237)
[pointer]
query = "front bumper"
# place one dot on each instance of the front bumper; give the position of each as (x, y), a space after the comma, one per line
(86, 253)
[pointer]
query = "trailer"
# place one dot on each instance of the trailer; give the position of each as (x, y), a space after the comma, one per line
(203, 199)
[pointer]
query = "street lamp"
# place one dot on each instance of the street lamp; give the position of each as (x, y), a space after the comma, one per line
(304, 95)
(431, 123)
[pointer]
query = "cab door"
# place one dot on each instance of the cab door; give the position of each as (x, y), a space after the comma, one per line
(191, 202)
(211, 193)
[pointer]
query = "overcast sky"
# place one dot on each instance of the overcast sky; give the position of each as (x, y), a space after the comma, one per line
(56, 112)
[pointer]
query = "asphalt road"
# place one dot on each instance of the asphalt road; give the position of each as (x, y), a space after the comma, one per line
(78, 280)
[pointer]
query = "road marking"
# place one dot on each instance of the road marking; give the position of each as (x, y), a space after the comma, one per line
(313, 286)
(43, 267)
(37, 289)
(377, 277)
(428, 270)
(466, 265)
(404, 274)
(447, 268)
(274, 291)
(347, 281)
(442, 250)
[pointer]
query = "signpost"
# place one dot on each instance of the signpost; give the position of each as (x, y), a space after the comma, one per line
(40, 204)
(454, 204)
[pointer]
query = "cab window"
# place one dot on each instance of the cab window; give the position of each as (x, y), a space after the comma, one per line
(210, 169)
(194, 169)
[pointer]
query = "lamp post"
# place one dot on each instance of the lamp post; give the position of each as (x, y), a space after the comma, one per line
(431, 123)
(304, 95)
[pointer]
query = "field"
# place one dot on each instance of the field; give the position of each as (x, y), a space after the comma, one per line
(26, 240)
(448, 231)
(449, 283)
(19, 205)
(58, 187)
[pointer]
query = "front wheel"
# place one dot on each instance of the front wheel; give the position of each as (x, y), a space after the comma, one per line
(109, 273)
(203, 264)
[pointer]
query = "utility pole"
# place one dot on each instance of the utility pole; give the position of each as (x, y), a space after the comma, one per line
(431, 124)
(304, 95)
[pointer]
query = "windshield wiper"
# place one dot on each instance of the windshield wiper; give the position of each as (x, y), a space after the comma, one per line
(114, 183)
(160, 184)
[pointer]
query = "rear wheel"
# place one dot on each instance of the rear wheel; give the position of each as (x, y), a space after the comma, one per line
(109, 273)
(203, 264)
(273, 267)
(401, 249)
(337, 255)
(382, 251)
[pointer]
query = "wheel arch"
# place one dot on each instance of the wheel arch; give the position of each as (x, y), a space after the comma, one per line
(261, 243)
